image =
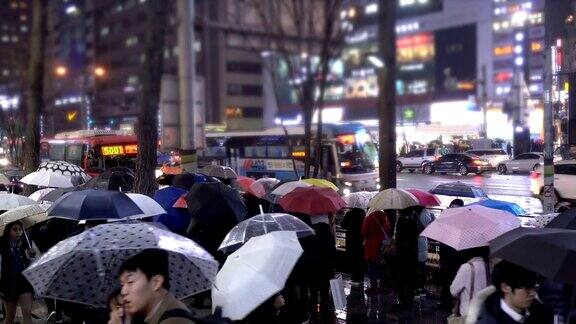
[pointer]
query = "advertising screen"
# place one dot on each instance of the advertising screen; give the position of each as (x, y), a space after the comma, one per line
(456, 62)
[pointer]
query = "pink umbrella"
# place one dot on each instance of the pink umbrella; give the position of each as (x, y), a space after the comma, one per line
(471, 226)
(425, 198)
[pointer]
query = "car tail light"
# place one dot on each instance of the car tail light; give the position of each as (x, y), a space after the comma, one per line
(477, 162)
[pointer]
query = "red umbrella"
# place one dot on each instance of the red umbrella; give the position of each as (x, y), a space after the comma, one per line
(312, 201)
(244, 183)
(425, 198)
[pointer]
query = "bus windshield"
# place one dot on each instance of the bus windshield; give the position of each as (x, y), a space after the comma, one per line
(356, 153)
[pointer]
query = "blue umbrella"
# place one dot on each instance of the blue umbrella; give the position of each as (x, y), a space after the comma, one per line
(95, 205)
(501, 205)
(459, 189)
(176, 219)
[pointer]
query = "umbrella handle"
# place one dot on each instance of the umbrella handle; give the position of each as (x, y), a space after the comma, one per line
(27, 240)
(261, 209)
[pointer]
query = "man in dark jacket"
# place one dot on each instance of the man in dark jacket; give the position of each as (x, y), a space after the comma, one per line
(352, 224)
(515, 299)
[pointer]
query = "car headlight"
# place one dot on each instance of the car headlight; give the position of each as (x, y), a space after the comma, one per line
(346, 191)
(347, 183)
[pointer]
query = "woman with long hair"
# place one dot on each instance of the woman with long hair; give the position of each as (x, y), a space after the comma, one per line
(16, 252)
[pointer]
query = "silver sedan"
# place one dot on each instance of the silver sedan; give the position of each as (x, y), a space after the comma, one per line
(525, 162)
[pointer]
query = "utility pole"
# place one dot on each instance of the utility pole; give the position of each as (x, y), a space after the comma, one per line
(387, 97)
(187, 81)
(548, 194)
(484, 101)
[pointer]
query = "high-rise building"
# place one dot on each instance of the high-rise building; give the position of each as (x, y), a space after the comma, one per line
(96, 48)
(15, 17)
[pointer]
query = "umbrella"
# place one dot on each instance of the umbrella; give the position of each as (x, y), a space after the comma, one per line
(312, 201)
(10, 201)
(50, 179)
(459, 189)
(213, 200)
(359, 199)
(548, 251)
(566, 220)
(95, 205)
(244, 183)
(29, 215)
(501, 205)
(38, 195)
(254, 273)
(64, 168)
(424, 198)
(165, 179)
(393, 199)
(57, 193)
(118, 178)
(262, 187)
(541, 221)
(322, 183)
(148, 205)
(471, 226)
(176, 219)
(287, 187)
(84, 268)
(4, 180)
(218, 171)
(260, 225)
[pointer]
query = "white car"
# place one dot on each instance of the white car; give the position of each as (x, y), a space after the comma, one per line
(415, 159)
(564, 180)
(494, 156)
(525, 162)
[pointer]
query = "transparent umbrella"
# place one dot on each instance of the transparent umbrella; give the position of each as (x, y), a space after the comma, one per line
(261, 225)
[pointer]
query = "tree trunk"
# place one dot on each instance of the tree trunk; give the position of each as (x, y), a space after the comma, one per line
(147, 130)
(35, 89)
(308, 111)
(387, 98)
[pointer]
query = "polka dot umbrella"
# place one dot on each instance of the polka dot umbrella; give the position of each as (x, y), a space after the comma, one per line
(68, 169)
(84, 268)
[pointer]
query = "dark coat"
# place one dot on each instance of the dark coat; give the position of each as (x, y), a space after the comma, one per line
(325, 252)
(492, 313)
(352, 224)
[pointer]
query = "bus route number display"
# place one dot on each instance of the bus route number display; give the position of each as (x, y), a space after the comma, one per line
(112, 150)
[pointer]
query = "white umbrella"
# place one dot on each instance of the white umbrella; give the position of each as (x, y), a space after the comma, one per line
(4, 180)
(10, 201)
(254, 273)
(29, 215)
(288, 187)
(148, 205)
(45, 178)
(39, 194)
(67, 169)
(359, 199)
(393, 199)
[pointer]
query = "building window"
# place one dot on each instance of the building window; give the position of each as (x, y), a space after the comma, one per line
(252, 112)
(131, 41)
(24, 28)
(104, 31)
(133, 80)
(246, 90)
(5, 72)
(5, 38)
(244, 67)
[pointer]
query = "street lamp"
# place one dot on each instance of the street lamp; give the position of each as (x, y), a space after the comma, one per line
(61, 71)
(99, 72)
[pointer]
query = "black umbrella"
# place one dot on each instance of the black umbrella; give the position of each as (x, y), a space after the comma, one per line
(95, 205)
(459, 189)
(547, 251)
(117, 178)
(566, 220)
(166, 180)
(213, 201)
(57, 193)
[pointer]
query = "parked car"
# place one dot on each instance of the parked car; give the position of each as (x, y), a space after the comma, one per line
(564, 180)
(415, 159)
(494, 156)
(461, 163)
(525, 162)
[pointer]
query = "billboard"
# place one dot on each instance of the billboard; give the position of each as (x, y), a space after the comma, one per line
(410, 8)
(456, 62)
(415, 56)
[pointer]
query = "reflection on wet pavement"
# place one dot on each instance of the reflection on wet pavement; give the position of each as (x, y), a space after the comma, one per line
(379, 308)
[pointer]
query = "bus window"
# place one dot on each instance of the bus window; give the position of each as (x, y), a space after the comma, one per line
(75, 153)
(255, 151)
(278, 151)
(57, 151)
(356, 154)
(328, 170)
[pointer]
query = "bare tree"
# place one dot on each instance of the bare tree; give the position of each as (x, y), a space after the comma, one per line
(34, 96)
(305, 36)
(147, 128)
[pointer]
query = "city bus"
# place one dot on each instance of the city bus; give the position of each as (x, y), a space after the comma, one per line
(93, 150)
(349, 155)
